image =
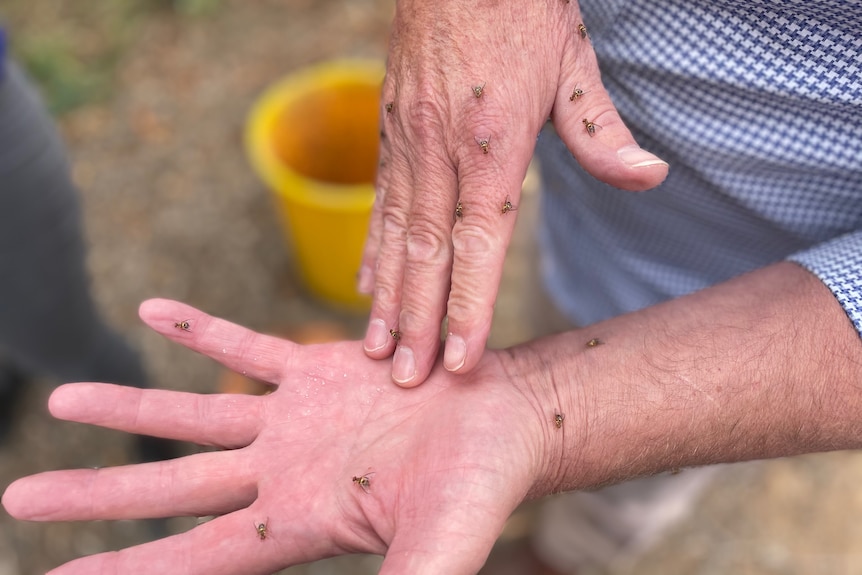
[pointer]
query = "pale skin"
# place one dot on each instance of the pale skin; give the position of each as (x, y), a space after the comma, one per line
(443, 144)
(765, 365)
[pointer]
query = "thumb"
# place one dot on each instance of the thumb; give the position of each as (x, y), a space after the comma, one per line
(588, 122)
(440, 549)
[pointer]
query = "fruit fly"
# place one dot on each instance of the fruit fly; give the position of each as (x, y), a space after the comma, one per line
(577, 92)
(558, 420)
(594, 342)
(479, 90)
(583, 30)
(389, 106)
(459, 210)
(396, 335)
(183, 325)
(363, 481)
(484, 143)
(591, 127)
(261, 529)
(507, 206)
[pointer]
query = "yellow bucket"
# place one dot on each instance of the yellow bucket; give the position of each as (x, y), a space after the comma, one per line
(313, 139)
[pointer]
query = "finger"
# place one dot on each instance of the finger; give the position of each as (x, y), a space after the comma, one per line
(588, 122)
(224, 546)
(389, 216)
(384, 329)
(375, 226)
(365, 280)
(425, 286)
(258, 356)
(196, 485)
(381, 335)
(228, 421)
(490, 189)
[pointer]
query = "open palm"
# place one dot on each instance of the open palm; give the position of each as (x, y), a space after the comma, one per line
(337, 460)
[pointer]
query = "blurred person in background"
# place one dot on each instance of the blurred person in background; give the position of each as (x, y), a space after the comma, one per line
(49, 324)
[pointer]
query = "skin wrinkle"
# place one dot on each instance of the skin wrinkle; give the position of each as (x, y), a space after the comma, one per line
(367, 536)
(468, 304)
(139, 399)
(454, 59)
(395, 214)
(352, 500)
(387, 287)
(207, 423)
(423, 116)
(243, 418)
(477, 170)
(209, 413)
(474, 248)
(476, 237)
(551, 462)
(250, 347)
(91, 508)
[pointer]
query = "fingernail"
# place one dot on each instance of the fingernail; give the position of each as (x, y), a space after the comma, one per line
(365, 285)
(636, 157)
(403, 365)
(455, 353)
(377, 335)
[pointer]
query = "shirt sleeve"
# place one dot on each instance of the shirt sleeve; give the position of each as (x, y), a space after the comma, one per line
(838, 264)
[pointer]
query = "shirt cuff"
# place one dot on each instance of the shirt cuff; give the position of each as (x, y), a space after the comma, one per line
(838, 264)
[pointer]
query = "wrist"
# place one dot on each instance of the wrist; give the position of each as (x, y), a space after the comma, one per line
(765, 365)
(555, 414)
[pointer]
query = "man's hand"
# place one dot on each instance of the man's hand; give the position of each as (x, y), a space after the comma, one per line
(339, 460)
(336, 460)
(467, 90)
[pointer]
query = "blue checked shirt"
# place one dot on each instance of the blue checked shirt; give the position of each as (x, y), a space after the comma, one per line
(757, 106)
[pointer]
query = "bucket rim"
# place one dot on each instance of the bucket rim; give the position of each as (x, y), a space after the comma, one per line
(281, 179)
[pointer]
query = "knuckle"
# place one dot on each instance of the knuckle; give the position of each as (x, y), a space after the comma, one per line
(477, 254)
(468, 307)
(490, 118)
(420, 319)
(425, 116)
(472, 243)
(414, 318)
(428, 245)
(394, 218)
(385, 293)
(379, 193)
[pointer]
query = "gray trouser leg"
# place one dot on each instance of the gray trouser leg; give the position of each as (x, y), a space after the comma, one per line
(49, 324)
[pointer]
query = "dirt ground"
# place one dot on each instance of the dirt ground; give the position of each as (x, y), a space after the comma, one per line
(173, 210)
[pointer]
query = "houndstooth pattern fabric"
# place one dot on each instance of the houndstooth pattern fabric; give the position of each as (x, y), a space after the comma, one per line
(757, 106)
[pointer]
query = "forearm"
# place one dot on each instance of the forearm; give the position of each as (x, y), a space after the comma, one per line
(765, 365)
